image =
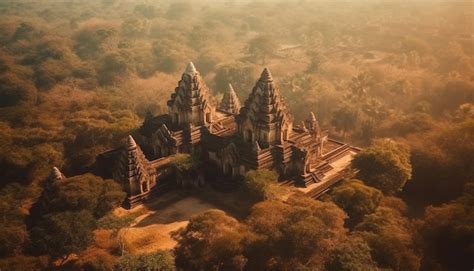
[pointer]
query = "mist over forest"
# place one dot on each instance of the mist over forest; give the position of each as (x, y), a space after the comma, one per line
(395, 78)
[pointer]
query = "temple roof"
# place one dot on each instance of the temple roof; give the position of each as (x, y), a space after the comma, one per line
(265, 105)
(131, 143)
(266, 75)
(190, 69)
(56, 175)
(191, 91)
(230, 102)
(133, 164)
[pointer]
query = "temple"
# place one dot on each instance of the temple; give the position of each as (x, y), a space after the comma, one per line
(232, 138)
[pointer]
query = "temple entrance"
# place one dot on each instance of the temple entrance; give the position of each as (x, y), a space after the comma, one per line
(144, 187)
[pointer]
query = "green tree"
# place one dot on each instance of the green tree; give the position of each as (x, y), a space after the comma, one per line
(263, 184)
(160, 260)
(384, 165)
(356, 199)
(61, 234)
(352, 255)
(211, 241)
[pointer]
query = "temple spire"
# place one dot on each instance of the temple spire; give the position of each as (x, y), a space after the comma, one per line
(132, 169)
(265, 114)
(303, 126)
(131, 144)
(190, 69)
(266, 75)
(190, 104)
(56, 175)
(256, 147)
(230, 102)
(312, 125)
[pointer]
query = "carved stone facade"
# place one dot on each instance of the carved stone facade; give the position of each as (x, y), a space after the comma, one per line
(190, 104)
(230, 102)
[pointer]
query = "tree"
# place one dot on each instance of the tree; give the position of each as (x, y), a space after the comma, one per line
(147, 11)
(356, 199)
(211, 241)
(448, 234)
(262, 47)
(442, 164)
(207, 61)
(160, 260)
(170, 56)
(241, 76)
(453, 94)
(61, 234)
(12, 218)
(297, 234)
(179, 10)
(384, 165)
(14, 90)
(390, 237)
(24, 31)
(352, 255)
(263, 184)
(112, 68)
(84, 192)
(21, 263)
(134, 28)
(92, 39)
(359, 85)
(344, 119)
(316, 61)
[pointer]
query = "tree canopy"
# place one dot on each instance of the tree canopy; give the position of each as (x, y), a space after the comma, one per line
(63, 233)
(356, 199)
(385, 165)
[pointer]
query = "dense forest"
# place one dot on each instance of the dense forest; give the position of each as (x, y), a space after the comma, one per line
(395, 78)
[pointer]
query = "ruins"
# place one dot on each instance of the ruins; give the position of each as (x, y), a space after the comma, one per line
(234, 138)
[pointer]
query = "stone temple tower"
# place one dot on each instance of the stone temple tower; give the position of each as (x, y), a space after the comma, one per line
(230, 102)
(190, 103)
(132, 170)
(264, 117)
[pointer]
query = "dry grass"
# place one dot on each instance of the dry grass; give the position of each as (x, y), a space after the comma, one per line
(152, 230)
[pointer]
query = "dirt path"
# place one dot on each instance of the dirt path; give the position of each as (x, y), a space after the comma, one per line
(152, 230)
